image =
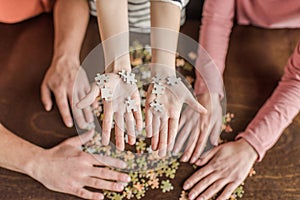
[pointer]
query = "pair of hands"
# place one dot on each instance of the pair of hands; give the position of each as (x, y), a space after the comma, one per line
(223, 167)
(161, 125)
(66, 168)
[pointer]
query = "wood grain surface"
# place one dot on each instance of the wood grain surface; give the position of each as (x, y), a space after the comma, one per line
(254, 65)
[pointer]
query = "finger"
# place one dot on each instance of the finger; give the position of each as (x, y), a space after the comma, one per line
(107, 122)
(107, 174)
(119, 131)
(203, 185)
(197, 176)
(207, 156)
(213, 189)
(138, 118)
(155, 131)
(78, 115)
(86, 194)
(201, 143)
(229, 189)
(108, 161)
(179, 142)
(63, 107)
(195, 105)
(46, 97)
(130, 127)
(173, 130)
(87, 111)
(192, 141)
(104, 185)
(163, 138)
(77, 141)
(89, 98)
(215, 133)
(149, 123)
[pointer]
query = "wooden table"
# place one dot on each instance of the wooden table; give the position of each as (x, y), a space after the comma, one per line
(254, 66)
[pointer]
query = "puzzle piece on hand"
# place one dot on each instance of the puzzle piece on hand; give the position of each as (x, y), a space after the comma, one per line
(127, 77)
(156, 80)
(130, 104)
(158, 89)
(173, 80)
(101, 79)
(158, 107)
(106, 93)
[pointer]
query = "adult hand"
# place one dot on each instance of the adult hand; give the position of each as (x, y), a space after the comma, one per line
(68, 82)
(196, 128)
(116, 94)
(163, 110)
(225, 166)
(65, 168)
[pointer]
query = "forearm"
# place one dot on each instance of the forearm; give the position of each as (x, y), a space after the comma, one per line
(114, 31)
(17, 154)
(70, 23)
(278, 112)
(215, 29)
(165, 24)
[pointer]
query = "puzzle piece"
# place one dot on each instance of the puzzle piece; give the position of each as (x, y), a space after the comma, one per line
(101, 79)
(130, 104)
(127, 77)
(166, 186)
(173, 80)
(156, 80)
(158, 107)
(106, 93)
(158, 89)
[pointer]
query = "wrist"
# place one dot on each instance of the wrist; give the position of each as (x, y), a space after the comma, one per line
(246, 147)
(119, 64)
(66, 61)
(34, 162)
(162, 70)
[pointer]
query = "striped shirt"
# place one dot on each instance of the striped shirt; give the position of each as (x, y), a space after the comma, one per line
(139, 13)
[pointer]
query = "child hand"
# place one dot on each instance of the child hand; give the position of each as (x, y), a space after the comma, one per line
(121, 100)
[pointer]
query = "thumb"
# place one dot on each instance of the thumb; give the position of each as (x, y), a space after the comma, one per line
(81, 139)
(89, 98)
(195, 105)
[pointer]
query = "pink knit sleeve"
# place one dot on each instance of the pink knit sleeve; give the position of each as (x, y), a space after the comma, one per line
(217, 22)
(279, 110)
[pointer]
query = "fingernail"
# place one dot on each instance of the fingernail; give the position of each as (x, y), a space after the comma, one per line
(186, 186)
(184, 159)
(193, 160)
(126, 178)
(192, 196)
(200, 198)
(119, 187)
(101, 196)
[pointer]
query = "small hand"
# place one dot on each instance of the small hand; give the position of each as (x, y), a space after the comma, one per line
(68, 82)
(115, 94)
(65, 168)
(196, 128)
(162, 125)
(225, 166)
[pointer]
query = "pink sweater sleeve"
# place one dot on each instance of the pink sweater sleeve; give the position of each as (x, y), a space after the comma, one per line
(279, 110)
(217, 22)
